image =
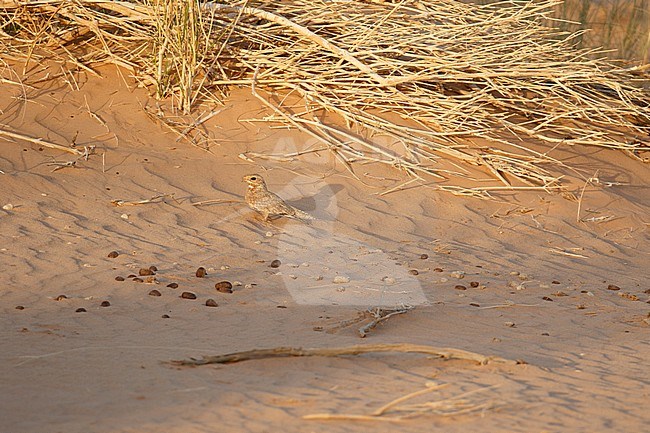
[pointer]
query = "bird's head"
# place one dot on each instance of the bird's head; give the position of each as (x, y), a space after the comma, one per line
(254, 180)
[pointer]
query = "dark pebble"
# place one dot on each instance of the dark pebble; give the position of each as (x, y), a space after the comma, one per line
(275, 263)
(19, 307)
(152, 268)
(223, 287)
(555, 282)
(646, 291)
(211, 303)
(200, 273)
(173, 285)
(188, 295)
(165, 316)
(145, 271)
(546, 334)
(460, 287)
(613, 287)
(546, 298)
(560, 294)
(113, 254)
(474, 284)
(119, 278)
(414, 272)
(60, 297)
(280, 306)
(474, 304)
(138, 280)
(437, 269)
(132, 276)
(154, 292)
(105, 304)
(80, 310)
(424, 256)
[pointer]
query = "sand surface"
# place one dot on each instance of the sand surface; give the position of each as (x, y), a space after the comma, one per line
(542, 295)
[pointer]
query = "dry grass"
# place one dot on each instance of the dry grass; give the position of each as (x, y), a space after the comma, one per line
(414, 82)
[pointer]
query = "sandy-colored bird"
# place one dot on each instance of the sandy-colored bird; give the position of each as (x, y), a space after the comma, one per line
(270, 205)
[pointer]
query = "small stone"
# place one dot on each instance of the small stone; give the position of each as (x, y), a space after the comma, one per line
(438, 270)
(546, 298)
(60, 298)
(80, 310)
(414, 272)
(173, 285)
(248, 286)
(105, 304)
(460, 287)
(8, 206)
(165, 316)
(237, 283)
(151, 280)
(200, 272)
(19, 307)
(341, 279)
(118, 278)
(560, 294)
(131, 276)
(474, 284)
(188, 295)
(280, 306)
(275, 263)
(424, 256)
(145, 271)
(293, 277)
(458, 274)
(124, 216)
(580, 307)
(154, 292)
(555, 282)
(546, 334)
(269, 234)
(211, 303)
(153, 268)
(629, 296)
(514, 273)
(113, 254)
(510, 324)
(223, 287)
(474, 304)
(613, 287)
(389, 280)
(224, 267)
(138, 280)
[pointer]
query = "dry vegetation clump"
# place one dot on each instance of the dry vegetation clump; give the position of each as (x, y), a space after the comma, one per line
(414, 82)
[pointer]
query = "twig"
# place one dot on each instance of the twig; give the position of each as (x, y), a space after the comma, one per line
(380, 316)
(39, 141)
(154, 199)
(215, 201)
(284, 352)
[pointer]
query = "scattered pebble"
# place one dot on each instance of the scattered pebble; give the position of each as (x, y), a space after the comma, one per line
(165, 316)
(460, 287)
(211, 303)
(275, 263)
(458, 274)
(105, 304)
(341, 279)
(388, 280)
(113, 254)
(223, 287)
(269, 234)
(145, 271)
(154, 292)
(188, 295)
(546, 298)
(60, 297)
(153, 268)
(414, 272)
(237, 283)
(629, 296)
(580, 307)
(151, 280)
(200, 272)
(19, 307)
(138, 280)
(80, 310)
(546, 334)
(131, 276)
(514, 273)
(118, 278)
(124, 216)
(293, 277)
(555, 282)
(249, 286)
(424, 256)
(173, 285)
(437, 270)
(510, 324)
(560, 294)
(340, 289)
(280, 306)
(474, 304)
(8, 206)
(474, 284)
(613, 287)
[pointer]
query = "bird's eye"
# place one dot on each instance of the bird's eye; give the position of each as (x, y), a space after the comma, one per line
(253, 178)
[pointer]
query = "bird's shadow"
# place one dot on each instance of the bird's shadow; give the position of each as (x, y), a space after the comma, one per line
(317, 203)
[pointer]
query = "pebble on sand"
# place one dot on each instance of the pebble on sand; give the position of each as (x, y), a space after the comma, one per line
(60, 298)
(173, 285)
(275, 263)
(19, 307)
(424, 256)
(80, 310)
(119, 278)
(223, 287)
(211, 303)
(154, 292)
(105, 304)
(188, 295)
(414, 272)
(201, 272)
(474, 284)
(460, 287)
(113, 254)
(613, 287)
(145, 271)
